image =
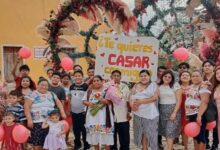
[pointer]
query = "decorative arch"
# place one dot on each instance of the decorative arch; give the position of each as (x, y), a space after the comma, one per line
(62, 23)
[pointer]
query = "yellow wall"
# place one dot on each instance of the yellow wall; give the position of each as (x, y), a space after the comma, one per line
(18, 22)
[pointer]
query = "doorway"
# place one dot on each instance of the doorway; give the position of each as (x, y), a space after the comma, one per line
(10, 56)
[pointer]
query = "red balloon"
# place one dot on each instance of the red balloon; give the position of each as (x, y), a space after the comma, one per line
(211, 125)
(2, 132)
(65, 125)
(20, 134)
(192, 129)
(67, 63)
(181, 54)
(24, 53)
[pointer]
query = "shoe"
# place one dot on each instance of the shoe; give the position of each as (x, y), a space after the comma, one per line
(86, 147)
(160, 146)
(113, 147)
(208, 146)
(214, 147)
(76, 147)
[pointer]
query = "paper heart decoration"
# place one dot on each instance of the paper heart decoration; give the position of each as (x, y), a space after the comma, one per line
(102, 55)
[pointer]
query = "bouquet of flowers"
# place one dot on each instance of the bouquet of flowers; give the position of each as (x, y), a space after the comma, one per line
(98, 105)
(113, 93)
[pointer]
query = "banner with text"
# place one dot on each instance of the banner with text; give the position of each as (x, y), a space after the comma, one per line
(127, 54)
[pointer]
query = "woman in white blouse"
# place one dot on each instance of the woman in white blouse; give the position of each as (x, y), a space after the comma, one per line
(195, 105)
(170, 96)
(146, 116)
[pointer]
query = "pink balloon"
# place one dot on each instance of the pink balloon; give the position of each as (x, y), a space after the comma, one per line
(24, 53)
(20, 134)
(211, 125)
(181, 54)
(67, 63)
(65, 126)
(2, 132)
(192, 129)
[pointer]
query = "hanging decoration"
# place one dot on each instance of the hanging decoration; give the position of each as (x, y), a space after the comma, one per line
(119, 17)
(178, 24)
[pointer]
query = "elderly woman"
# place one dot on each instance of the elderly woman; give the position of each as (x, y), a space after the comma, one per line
(196, 104)
(38, 105)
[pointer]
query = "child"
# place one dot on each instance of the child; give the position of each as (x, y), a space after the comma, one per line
(77, 91)
(66, 83)
(55, 139)
(90, 73)
(8, 142)
(15, 107)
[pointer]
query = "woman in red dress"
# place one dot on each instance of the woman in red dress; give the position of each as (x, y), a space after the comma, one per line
(185, 81)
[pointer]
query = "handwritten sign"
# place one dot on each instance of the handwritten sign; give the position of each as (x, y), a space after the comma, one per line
(127, 54)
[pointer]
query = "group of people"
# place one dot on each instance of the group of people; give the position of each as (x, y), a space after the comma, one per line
(158, 109)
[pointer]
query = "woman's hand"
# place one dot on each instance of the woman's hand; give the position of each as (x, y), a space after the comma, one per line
(134, 107)
(30, 123)
(63, 115)
(173, 116)
(104, 101)
(90, 104)
(137, 103)
(199, 120)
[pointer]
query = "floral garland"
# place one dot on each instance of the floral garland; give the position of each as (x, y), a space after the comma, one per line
(61, 23)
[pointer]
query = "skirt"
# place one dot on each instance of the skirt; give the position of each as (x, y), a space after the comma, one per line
(168, 128)
(53, 142)
(201, 138)
(100, 138)
(38, 135)
(184, 120)
(147, 127)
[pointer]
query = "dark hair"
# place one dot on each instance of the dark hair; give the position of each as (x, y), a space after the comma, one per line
(199, 71)
(180, 82)
(66, 75)
(162, 67)
(32, 85)
(98, 76)
(208, 61)
(116, 71)
(144, 71)
(78, 71)
(9, 113)
(90, 68)
(184, 64)
(24, 67)
(77, 66)
(50, 69)
(165, 73)
(54, 112)
(15, 93)
(56, 74)
(42, 80)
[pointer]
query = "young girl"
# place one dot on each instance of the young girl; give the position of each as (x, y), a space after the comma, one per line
(8, 142)
(55, 139)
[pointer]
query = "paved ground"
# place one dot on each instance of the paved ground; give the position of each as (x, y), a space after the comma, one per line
(133, 147)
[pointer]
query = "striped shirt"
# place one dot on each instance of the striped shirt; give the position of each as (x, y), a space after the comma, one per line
(18, 111)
